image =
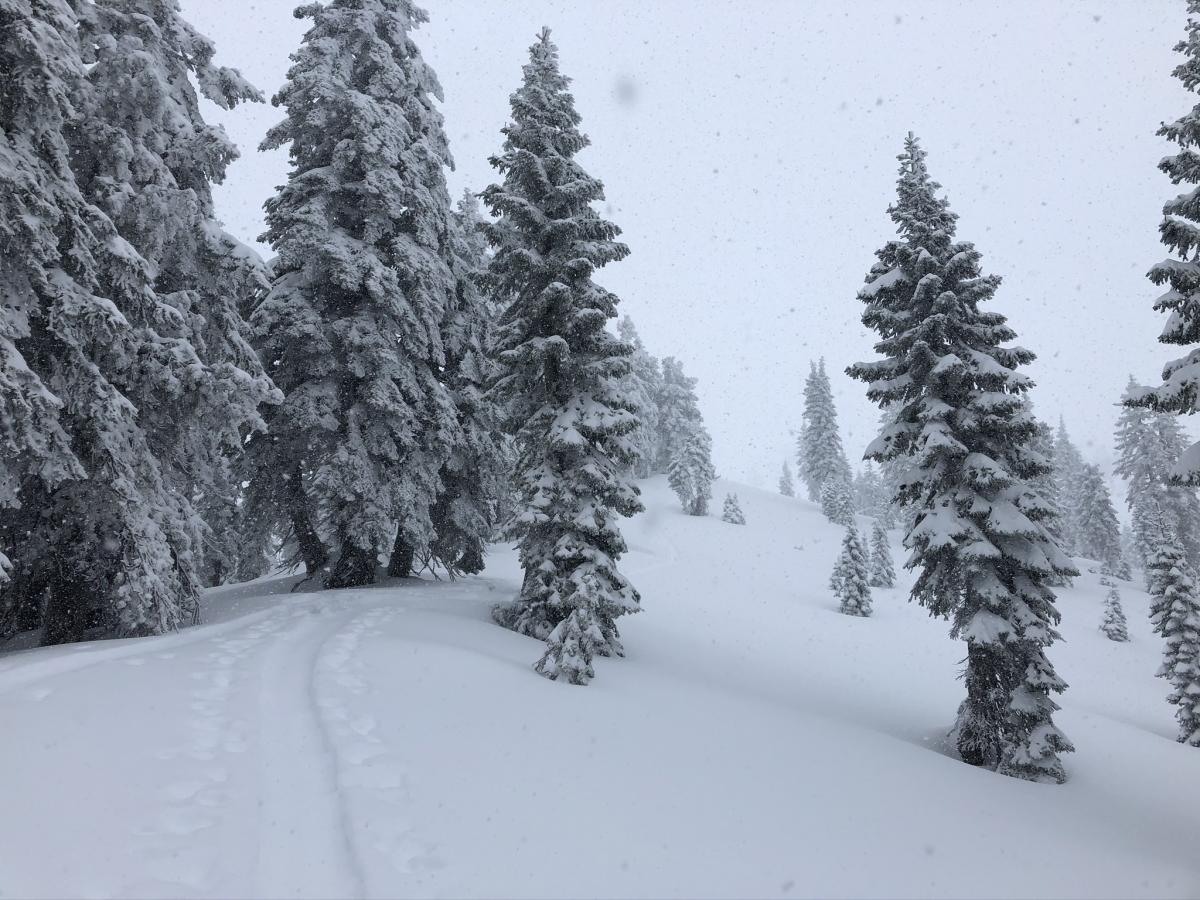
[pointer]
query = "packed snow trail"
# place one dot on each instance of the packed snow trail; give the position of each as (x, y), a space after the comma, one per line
(392, 741)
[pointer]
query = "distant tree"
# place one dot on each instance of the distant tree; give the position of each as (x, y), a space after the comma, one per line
(868, 489)
(821, 456)
(1067, 472)
(837, 501)
(644, 386)
(787, 487)
(1149, 446)
(883, 570)
(1175, 614)
(1098, 533)
(678, 412)
(849, 581)
(984, 556)
(691, 472)
(732, 511)
(1114, 625)
(560, 379)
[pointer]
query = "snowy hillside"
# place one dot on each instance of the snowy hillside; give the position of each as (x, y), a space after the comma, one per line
(392, 741)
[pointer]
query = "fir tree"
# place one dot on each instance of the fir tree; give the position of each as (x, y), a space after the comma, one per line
(1149, 445)
(1114, 625)
(473, 478)
(1046, 484)
(97, 344)
(365, 282)
(560, 379)
(821, 456)
(1180, 232)
(643, 386)
(691, 472)
(868, 491)
(1067, 471)
(837, 501)
(983, 553)
(678, 412)
(883, 570)
(849, 581)
(787, 486)
(732, 511)
(1175, 614)
(146, 157)
(1099, 533)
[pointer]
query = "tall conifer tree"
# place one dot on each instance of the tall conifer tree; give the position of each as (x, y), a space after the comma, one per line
(821, 456)
(983, 553)
(1180, 231)
(351, 329)
(560, 379)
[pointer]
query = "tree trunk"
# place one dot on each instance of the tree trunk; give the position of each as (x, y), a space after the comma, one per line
(312, 551)
(403, 553)
(354, 567)
(981, 714)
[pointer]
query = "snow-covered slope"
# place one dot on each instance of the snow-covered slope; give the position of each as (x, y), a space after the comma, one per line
(393, 742)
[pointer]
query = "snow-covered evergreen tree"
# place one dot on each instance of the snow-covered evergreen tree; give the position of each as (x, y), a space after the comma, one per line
(691, 472)
(560, 381)
(849, 581)
(837, 500)
(1180, 273)
(1046, 484)
(1067, 472)
(983, 553)
(731, 512)
(1149, 445)
(473, 478)
(883, 570)
(1175, 614)
(1098, 533)
(146, 157)
(678, 412)
(102, 346)
(1114, 626)
(643, 386)
(351, 329)
(868, 491)
(821, 457)
(787, 486)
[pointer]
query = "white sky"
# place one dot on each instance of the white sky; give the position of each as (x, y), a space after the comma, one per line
(748, 153)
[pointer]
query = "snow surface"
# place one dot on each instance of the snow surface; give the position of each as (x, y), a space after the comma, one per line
(392, 741)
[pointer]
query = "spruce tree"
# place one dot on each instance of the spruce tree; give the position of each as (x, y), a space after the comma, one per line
(1114, 626)
(979, 541)
(732, 511)
(1149, 444)
(868, 491)
(145, 155)
(351, 328)
(691, 472)
(1067, 472)
(837, 500)
(1098, 533)
(1175, 614)
(787, 486)
(850, 576)
(678, 412)
(821, 456)
(883, 570)
(560, 379)
(101, 538)
(466, 511)
(643, 386)
(1179, 392)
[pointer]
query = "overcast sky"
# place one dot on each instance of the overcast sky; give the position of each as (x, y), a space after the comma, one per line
(748, 153)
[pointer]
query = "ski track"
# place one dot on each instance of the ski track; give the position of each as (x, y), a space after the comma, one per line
(330, 797)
